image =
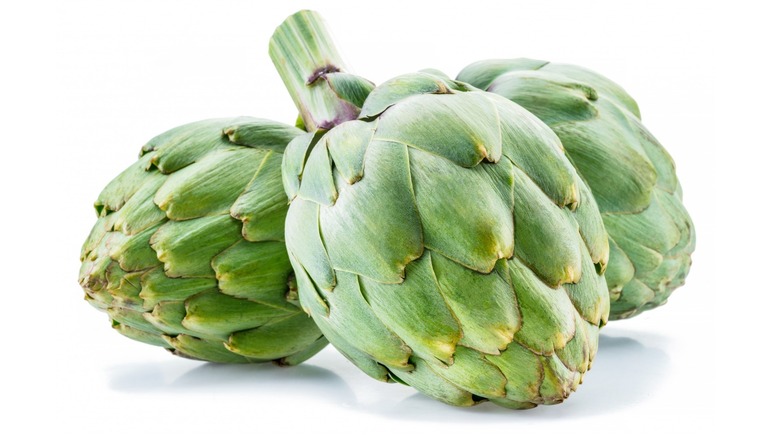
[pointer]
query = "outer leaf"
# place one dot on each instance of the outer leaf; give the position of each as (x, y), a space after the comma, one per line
(534, 148)
(350, 88)
(262, 207)
(292, 163)
(347, 145)
(523, 370)
(186, 144)
(547, 238)
(186, 248)
(548, 315)
(621, 178)
(552, 98)
(220, 315)
(203, 349)
(256, 271)
(209, 186)
(157, 287)
(425, 379)
(605, 86)
(473, 234)
(278, 338)
(260, 133)
(140, 212)
(374, 229)
(317, 184)
(474, 373)
(398, 89)
(304, 243)
(351, 314)
(481, 74)
(652, 228)
(460, 127)
(416, 311)
(123, 187)
(486, 305)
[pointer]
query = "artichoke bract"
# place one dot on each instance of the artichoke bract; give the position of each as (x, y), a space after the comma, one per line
(188, 251)
(630, 174)
(444, 241)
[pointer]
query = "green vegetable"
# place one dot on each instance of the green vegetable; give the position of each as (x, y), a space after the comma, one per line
(442, 239)
(631, 175)
(188, 251)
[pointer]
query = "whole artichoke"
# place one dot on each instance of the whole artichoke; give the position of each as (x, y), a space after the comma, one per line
(443, 240)
(188, 251)
(631, 175)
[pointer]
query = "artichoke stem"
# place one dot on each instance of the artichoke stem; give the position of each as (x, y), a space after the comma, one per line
(304, 55)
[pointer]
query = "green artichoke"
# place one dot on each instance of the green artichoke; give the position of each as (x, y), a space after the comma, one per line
(630, 174)
(188, 251)
(443, 240)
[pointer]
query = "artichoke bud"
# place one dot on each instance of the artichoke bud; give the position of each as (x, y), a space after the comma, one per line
(443, 240)
(188, 251)
(552, 98)
(630, 174)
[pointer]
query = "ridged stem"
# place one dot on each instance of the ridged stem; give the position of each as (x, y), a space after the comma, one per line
(304, 55)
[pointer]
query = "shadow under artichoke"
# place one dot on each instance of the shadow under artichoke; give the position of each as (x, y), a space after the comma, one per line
(262, 380)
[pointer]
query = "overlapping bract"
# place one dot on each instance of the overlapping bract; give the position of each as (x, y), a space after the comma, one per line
(188, 252)
(631, 175)
(443, 240)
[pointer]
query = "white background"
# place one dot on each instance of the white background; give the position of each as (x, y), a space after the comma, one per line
(85, 84)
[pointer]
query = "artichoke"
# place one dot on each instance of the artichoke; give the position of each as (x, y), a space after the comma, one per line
(188, 250)
(630, 174)
(441, 239)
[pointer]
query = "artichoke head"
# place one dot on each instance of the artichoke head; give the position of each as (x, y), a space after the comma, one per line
(188, 251)
(443, 240)
(630, 174)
